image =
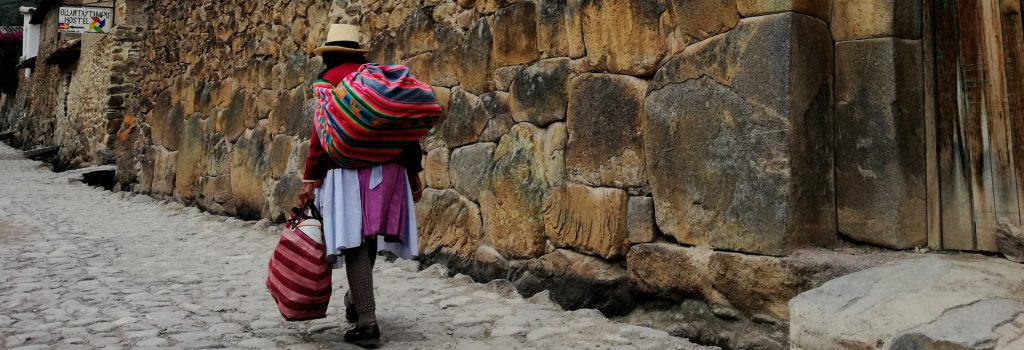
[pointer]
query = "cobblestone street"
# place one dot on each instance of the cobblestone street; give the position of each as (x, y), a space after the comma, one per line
(84, 268)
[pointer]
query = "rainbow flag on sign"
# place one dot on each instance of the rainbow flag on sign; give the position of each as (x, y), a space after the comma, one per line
(97, 25)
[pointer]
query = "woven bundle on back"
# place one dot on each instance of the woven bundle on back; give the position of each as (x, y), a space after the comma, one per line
(373, 114)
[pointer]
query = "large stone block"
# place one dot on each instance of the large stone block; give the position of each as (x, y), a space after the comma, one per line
(605, 118)
(863, 19)
(219, 188)
(624, 36)
(696, 20)
(184, 91)
(475, 58)
(513, 196)
(560, 28)
(499, 115)
(503, 77)
(162, 174)
(880, 146)
(435, 168)
(538, 94)
(935, 302)
(469, 168)
(218, 154)
(515, 40)
(589, 220)
(444, 96)
(754, 285)
(441, 67)
(249, 169)
(293, 114)
(745, 119)
(284, 197)
(280, 152)
(640, 220)
(820, 9)
(385, 49)
(670, 270)
(166, 120)
(555, 138)
(448, 220)
(265, 101)
(464, 120)
(577, 281)
(417, 34)
(232, 119)
(191, 164)
(131, 156)
(221, 92)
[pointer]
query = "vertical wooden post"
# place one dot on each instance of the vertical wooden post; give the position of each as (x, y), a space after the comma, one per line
(1013, 48)
(954, 175)
(979, 65)
(934, 218)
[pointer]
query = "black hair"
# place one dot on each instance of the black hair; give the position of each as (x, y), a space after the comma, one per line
(334, 59)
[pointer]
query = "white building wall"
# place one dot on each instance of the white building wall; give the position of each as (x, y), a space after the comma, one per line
(30, 35)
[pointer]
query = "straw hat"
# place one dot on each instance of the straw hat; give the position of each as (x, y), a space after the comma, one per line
(342, 38)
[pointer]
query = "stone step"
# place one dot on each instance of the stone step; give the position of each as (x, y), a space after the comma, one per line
(42, 152)
(937, 302)
(100, 176)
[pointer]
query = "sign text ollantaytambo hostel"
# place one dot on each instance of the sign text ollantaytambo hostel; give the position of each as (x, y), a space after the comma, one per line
(85, 19)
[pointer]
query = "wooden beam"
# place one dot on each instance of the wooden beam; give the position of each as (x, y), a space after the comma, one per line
(933, 200)
(1013, 53)
(954, 176)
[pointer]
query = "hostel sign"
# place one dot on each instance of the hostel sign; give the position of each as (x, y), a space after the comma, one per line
(85, 19)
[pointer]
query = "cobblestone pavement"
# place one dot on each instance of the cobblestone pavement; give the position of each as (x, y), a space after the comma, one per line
(83, 268)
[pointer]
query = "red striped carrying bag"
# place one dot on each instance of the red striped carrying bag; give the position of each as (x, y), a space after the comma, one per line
(299, 277)
(373, 114)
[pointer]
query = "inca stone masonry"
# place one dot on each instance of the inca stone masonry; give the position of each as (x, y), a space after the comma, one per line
(736, 152)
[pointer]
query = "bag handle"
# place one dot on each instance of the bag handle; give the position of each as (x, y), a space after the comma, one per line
(299, 214)
(314, 213)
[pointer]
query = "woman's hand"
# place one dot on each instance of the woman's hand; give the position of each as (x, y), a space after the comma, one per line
(308, 192)
(417, 187)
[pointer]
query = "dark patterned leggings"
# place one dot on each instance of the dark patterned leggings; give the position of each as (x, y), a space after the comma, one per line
(359, 270)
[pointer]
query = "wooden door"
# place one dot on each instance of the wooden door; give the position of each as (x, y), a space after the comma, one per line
(979, 124)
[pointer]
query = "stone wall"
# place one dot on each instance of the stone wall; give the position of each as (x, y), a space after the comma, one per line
(71, 103)
(636, 148)
(83, 134)
(219, 120)
(34, 112)
(609, 138)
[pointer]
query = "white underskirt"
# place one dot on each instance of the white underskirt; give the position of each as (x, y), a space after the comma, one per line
(338, 199)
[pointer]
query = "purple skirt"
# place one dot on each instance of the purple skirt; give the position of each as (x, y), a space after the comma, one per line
(383, 191)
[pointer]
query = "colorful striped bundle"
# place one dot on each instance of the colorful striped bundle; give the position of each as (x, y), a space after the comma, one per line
(299, 277)
(373, 114)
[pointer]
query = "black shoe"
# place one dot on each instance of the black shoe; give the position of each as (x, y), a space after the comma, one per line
(350, 313)
(366, 337)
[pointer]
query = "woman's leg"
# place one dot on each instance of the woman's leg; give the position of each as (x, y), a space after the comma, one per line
(351, 315)
(359, 270)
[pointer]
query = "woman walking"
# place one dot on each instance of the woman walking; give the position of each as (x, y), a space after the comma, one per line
(365, 210)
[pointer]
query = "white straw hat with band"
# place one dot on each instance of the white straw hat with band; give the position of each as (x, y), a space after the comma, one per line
(342, 38)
